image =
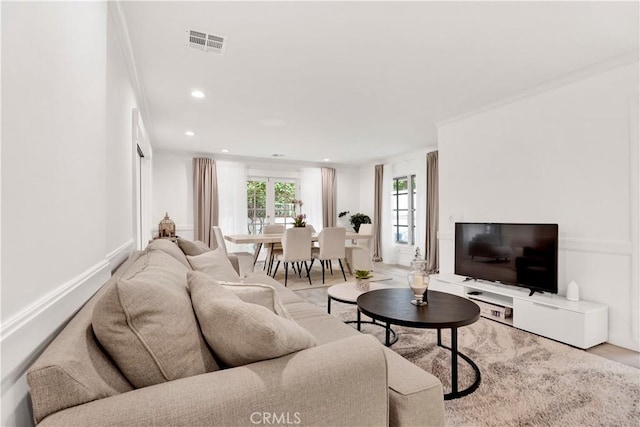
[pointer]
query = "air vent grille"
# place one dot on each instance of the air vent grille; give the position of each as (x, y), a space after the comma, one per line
(206, 42)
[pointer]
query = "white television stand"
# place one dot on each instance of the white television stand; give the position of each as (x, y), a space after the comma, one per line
(581, 324)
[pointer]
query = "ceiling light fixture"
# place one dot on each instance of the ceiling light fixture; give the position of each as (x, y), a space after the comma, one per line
(197, 94)
(189, 133)
(326, 159)
(277, 155)
(224, 150)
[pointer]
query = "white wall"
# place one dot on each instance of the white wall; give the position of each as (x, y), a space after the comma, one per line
(173, 191)
(348, 193)
(560, 156)
(66, 175)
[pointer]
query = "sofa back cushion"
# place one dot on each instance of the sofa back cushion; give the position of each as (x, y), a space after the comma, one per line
(147, 325)
(73, 369)
(170, 248)
(193, 248)
(216, 264)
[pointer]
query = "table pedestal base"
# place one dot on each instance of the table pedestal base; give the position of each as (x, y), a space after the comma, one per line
(455, 393)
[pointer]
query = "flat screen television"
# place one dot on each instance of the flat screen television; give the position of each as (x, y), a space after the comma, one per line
(512, 254)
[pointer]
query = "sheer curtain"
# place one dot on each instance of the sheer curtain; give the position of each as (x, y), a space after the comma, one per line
(377, 213)
(311, 195)
(431, 247)
(329, 197)
(205, 199)
(232, 201)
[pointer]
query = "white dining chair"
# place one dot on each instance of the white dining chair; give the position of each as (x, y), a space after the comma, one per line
(245, 259)
(331, 242)
(296, 248)
(359, 256)
(273, 249)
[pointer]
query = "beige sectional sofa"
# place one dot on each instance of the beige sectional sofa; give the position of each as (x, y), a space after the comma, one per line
(345, 378)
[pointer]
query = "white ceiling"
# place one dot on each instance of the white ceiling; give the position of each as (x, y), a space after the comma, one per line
(353, 81)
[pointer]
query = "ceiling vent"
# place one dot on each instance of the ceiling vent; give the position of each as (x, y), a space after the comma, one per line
(206, 42)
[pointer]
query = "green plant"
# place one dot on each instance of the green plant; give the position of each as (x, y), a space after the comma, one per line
(300, 220)
(357, 219)
(341, 214)
(363, 274)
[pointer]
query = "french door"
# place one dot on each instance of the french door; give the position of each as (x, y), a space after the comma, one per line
(270, 201)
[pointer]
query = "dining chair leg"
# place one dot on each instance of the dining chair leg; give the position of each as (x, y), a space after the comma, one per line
(308, 275)
(341, 268)
(322, 262)
(286, 272)
(276, 270)
(331, 266)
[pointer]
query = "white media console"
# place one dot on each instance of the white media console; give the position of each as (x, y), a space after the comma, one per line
(581, 324)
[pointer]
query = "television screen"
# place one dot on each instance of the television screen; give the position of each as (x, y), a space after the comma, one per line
(514, 254)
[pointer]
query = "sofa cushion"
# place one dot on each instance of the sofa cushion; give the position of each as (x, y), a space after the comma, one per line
(254, 293)
(260, 294)
(193, 248)
(216, 264)
(240, 333)
(146, 323)
(170, 248)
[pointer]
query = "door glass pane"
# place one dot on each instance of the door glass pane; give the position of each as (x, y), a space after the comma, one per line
(285, 193)
(256, 205)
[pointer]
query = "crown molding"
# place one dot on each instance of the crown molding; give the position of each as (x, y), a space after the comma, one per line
(628, 57)
(122, 30)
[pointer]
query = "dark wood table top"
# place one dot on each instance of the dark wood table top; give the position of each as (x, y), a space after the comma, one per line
(394, 306)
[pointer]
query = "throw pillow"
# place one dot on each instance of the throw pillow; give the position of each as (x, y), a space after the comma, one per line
(146, 323)
(240, 333)
(170, 248)
(193, 248)
(254, 293)
(216, 264)
(257, 293)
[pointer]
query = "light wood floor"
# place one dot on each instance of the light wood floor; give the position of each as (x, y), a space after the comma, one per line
(318, 296)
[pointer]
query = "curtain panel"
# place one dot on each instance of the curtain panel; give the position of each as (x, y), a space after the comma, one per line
(232, 198)
(310, 181)
(205, 200)
(431, 245)
(329, 197)
(377, 213)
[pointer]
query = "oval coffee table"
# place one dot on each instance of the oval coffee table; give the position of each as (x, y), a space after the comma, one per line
(444, 311)
(348, 293)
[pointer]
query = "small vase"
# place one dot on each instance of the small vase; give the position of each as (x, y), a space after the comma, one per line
(362, 284)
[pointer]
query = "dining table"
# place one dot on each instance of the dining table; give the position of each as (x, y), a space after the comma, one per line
(262, 239)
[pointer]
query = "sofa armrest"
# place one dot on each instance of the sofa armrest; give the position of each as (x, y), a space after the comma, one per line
(339, 383)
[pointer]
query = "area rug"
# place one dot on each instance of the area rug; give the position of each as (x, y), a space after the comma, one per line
(296, 283)
(527, 380)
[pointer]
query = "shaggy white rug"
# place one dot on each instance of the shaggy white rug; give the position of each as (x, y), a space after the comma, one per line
(527, 380)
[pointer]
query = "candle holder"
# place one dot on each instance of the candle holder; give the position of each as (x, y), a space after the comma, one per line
(418, 280)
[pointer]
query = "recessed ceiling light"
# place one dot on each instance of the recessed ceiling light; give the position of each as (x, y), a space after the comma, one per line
(277, 155)
(224, 150)
(326, 159)
(197, 94)
(189, 133)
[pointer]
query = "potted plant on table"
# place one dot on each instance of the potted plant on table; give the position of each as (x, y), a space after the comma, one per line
(357, 219)
(362, 279)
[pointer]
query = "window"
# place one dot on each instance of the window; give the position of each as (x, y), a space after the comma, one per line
(404, 209)
(269, 202)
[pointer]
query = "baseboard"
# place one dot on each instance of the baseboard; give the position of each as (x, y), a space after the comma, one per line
(119, 255)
